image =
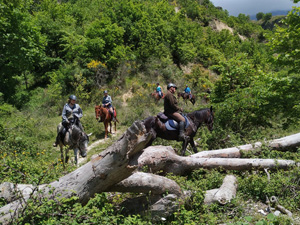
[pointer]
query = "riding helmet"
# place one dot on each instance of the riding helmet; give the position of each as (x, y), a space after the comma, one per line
(105, 92)
(171, 85)
(72, 97)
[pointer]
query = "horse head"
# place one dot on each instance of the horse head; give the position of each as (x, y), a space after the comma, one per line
(210, 119)
(204, 116)
(99, 112)
(83, 143)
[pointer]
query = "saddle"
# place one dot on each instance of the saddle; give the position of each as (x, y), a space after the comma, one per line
(171, 124)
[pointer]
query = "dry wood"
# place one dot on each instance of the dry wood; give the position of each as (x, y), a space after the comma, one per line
(224, 194)
(285, 143)
(110, 167)
(162, 158)
(144, 183)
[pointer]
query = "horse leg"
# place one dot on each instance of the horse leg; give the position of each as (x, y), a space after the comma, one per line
(109, 126)
(184, 145)
(105, 127)
(62, 154)
(75, 156)
(115, 126)
(193, 145)
(67, 155)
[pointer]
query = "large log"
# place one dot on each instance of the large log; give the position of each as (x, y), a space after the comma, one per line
(117, 163)
(107, 169)
(282, 144)
(144, 183)
(164, 158)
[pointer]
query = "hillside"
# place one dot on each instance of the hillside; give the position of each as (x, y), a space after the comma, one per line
(249, 75)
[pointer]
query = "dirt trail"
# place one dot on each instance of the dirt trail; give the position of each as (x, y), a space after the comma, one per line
(93, 145)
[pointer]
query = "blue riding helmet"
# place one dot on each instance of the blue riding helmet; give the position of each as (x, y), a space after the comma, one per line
(105, 92)
(171, 85)
(72, 97)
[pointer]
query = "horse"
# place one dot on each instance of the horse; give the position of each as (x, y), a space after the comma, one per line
(186, 96)
(156, 96)
(195, 119)
(105, 117)
(75, 139)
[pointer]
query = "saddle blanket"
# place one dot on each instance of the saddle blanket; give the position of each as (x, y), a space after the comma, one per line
(173, 125)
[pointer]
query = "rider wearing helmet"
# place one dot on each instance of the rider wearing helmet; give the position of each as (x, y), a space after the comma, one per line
(159, 90)
(172, 110)
(107, 103)
(71, 114)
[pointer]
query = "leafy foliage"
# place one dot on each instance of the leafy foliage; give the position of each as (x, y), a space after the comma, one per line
(283, 42)
(52, 48)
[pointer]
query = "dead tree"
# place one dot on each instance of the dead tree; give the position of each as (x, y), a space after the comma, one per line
(114, 169)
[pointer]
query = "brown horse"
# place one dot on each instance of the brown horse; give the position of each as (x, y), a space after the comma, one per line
(156, 96)
(186, 96)
(196, 119)
(105, 117)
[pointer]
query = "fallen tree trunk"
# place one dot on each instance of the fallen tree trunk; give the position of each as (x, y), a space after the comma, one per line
(145, 183)
(107, 169)
(224, 194)
(118, 162)
(234, 152)
(164, 158)
(285, 143)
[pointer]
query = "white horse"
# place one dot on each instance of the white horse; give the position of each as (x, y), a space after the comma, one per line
(74, 139)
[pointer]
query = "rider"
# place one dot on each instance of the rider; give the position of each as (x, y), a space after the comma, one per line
(172, 110)
(107, 103)
(159, 90)
(71, 114)
(188, 91)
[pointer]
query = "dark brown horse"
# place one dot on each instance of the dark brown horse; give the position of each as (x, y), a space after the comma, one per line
(105, 117)
(156, 96)
(186, 97)
(196, 119)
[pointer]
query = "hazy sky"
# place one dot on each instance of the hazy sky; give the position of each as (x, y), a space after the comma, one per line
(252, 7)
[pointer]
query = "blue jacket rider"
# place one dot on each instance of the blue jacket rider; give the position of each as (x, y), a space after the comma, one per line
(158, 90)
(188, 91)
(107, 103)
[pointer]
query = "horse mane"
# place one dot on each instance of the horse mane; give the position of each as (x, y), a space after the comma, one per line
(201, 113)
(76, 131)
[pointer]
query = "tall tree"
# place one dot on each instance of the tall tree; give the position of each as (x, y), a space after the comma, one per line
(21, 46)
(285, 41)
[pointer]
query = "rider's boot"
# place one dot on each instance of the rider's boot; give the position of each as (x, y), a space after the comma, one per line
(60, 136)
(182, 136)
(57, 140)
(112, 117)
